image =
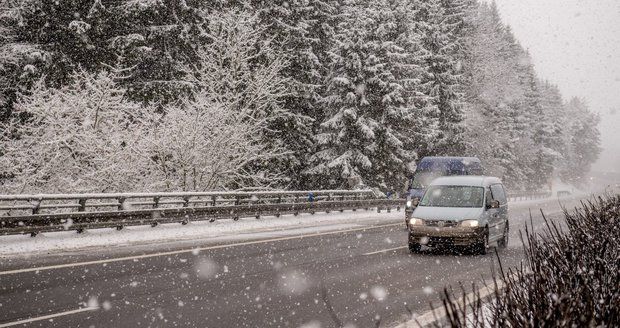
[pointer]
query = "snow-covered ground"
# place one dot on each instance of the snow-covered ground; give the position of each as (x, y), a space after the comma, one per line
(222, 230)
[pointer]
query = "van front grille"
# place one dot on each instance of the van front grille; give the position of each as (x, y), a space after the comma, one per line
(441, 223)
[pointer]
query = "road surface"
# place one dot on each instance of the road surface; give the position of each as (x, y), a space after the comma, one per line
(366, 275)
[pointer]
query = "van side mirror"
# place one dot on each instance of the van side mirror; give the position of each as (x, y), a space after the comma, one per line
(494, 204)
(413, 202)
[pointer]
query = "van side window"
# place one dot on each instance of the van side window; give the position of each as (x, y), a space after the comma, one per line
(498, 193)
(488, 197)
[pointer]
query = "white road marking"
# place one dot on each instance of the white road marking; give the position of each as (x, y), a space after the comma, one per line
(196, 249)
(435, 316)
(386, 250)
(47, 317)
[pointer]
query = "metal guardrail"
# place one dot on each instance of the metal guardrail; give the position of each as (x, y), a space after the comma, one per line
(40, 203)
(528, 195)
(22, 214)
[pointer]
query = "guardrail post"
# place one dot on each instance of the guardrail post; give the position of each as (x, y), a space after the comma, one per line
(311, 200)
(37, 205)
(214, 200)
(121, 203)
(186, 201)
(237, 200)
(329, 198)
(82, 203)
(155, 202)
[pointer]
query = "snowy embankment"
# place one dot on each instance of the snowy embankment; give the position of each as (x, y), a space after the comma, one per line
(219, 231)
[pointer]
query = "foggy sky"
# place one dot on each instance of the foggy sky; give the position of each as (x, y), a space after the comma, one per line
(576, 45)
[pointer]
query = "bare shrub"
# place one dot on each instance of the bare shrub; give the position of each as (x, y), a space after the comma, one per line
(571, 277)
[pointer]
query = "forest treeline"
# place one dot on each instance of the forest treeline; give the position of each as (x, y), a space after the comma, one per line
(157, 95)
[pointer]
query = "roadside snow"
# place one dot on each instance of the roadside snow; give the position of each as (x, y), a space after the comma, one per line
(222, 230)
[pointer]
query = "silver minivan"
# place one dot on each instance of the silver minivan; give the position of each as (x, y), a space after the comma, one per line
(461, 211)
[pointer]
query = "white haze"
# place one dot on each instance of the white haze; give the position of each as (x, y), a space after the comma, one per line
(576, 44)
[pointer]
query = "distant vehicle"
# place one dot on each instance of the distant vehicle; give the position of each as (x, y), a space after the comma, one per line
(563, 193)
(461, 211)
(432, 167)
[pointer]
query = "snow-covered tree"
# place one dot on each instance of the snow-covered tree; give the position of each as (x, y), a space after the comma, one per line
(369, 130)
(582, 140)
(505, 120)
(553, 121)
(154, 38)
(87, 137)
(319, 91)
(302, 31)
(77, 138)
(440, 26)
(21, 63)
(241, 71)
(204, 145)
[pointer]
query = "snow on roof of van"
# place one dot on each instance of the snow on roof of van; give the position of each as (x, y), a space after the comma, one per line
(465, 180)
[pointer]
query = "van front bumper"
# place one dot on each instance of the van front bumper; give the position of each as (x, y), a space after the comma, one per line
(455, 236)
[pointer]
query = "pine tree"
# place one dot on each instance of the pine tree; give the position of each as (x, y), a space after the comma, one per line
(301, 31)
(156, 39)
(499, 107)
(443, 76)
(582, 139)
(21, 63)
(370, 131)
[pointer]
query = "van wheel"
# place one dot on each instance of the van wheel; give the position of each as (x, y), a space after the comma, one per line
(503, 243)
(414, 247)
(482, 247)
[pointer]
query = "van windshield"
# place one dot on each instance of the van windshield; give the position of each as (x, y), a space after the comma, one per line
(453, 196)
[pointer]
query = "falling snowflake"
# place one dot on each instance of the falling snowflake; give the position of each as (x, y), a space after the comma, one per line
(379, 293)
(206, 268)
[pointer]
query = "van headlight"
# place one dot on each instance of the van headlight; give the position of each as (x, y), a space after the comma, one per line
(469, 223)
(416, 222)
